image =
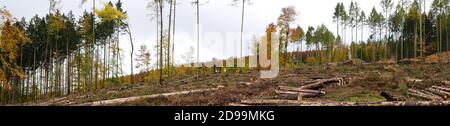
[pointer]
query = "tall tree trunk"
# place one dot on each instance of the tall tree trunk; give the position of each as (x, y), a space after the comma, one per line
(131, 58)
(242, 24)
(174, 30)
(168, 38)
(161, 42)
(68, 66)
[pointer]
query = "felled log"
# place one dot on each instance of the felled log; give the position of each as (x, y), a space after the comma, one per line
(441, 88)
(51, 102)
(290, 75)
(294, 89)
(272, 102)
(413, 80)
(423, 95)
(444, 95)
(136, 98)
(446, 82)
(323, 82)
(441, 91)
(390, 97)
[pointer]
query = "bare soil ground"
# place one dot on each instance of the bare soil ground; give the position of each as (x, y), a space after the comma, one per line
(366, 83)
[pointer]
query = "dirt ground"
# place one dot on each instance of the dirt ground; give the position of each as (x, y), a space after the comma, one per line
(366, 83)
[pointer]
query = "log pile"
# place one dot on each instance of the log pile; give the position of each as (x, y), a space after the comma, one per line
(310, 89)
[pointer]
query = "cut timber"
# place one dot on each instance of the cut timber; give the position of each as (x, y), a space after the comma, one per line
(290, 75)
(51, 102)
(129, 99)
(323, 82)
(245, 83)
(60, 101)
(441, 91)
(423, 95)
(294, 89)
(296, 94)
(390, 97)
(271, 102)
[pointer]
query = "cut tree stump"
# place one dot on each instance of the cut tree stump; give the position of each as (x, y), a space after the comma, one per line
(136, 98)
(270, 102)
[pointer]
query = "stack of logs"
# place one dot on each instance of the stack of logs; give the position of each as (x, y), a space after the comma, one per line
(433, 93)
(310, 88)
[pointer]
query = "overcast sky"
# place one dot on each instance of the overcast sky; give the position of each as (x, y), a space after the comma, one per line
(218, 18)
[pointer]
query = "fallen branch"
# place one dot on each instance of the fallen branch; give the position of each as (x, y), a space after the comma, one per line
(271, 102)
(136, 98)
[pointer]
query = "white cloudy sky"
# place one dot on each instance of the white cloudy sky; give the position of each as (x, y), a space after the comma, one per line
(218, 18)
